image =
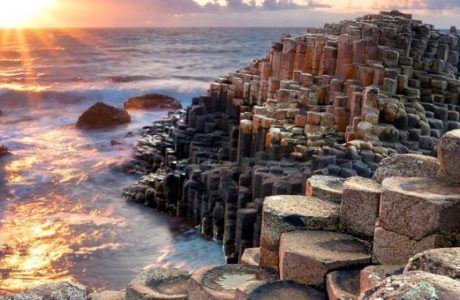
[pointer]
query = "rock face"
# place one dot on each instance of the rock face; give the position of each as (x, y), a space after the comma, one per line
(159, 283)
(307, 256)
(373, 276)
(101, 115)
(443, 261)
(152, 101)
(288, 213)
(448, 154)
(416, 285)
(407, 165)
(107, 295)
(360, 204)
(52, 291)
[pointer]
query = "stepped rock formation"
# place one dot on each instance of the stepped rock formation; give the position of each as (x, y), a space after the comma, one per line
(333, 102)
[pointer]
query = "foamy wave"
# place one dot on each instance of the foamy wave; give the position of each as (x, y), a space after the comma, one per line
(83, 92)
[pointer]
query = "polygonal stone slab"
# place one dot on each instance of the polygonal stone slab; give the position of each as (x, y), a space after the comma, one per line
(407, 165)
(415, 285)
(159, 283)
(251, 256)
(343, 285)
(448, 156)
(391, 248)
(418, 207)
(56, 290)
(107, 295)
(443, 261)
(221, 282)
(372, 276)
(279, 290)
(360, 205)
(328, 188)
(288, 213)
(307, 256)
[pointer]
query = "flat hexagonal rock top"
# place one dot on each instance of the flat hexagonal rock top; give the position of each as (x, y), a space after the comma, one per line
(159, 283)
(415, 285)
(230, 277)
(221, 282)
(305, 208)
(417, 207)
(362, 184)
(343, 284)
(407, 165)
(280, 290)
(306, 256)
(328, 188)
(442, 261)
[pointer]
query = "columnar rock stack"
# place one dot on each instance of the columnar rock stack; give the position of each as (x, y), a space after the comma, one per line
(331, 102)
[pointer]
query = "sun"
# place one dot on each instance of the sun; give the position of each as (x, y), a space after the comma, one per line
(17, 13)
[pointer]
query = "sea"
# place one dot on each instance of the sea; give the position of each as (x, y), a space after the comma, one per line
(62, 216)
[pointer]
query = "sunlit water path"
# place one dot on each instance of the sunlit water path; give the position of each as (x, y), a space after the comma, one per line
(61, 212)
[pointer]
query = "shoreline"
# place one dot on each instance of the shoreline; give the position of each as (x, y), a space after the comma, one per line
(306, 166)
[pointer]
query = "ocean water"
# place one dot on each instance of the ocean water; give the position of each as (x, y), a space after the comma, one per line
(61, 212)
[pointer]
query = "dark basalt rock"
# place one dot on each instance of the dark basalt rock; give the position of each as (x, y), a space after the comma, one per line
(101, 115)
(3, 150)
(152, 101)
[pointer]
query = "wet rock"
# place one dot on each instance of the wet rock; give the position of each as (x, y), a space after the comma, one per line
(152, 101)
(415, 285)
(407, 165)
(360, 206)
(107, 295)
(372, 276)
(279, 290)
(343, 285)
(444, 261)
(159, 283)
(307, 256)
(448, 156)
(221, 282)
(3, 150)
(328, 188)
(288, 213)
(101, 115)
(53, 291)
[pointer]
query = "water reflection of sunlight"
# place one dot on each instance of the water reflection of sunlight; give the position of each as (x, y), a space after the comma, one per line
(36, 237)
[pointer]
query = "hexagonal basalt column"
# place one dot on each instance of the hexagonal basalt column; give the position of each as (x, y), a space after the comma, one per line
(418, 207)
(288, 213)
(221, 282)
(307, 256)
(159, 283)
(360, 206)
(328, 188)
(279, 290)
(449, 156)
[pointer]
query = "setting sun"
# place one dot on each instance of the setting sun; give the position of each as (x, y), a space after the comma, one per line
(17, 13)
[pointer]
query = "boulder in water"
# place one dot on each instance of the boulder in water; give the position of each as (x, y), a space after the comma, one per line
(152, 101)
(3, 150)
(101, 115)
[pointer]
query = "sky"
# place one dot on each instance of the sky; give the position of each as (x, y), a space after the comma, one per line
(231, 13)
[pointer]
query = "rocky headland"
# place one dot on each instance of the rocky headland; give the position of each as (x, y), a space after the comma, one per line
(328, 169)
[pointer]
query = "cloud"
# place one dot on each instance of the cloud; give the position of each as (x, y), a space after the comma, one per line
(430, 5)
